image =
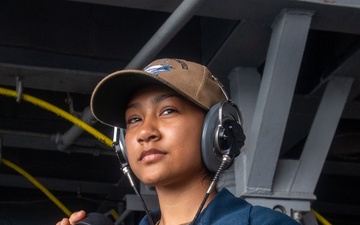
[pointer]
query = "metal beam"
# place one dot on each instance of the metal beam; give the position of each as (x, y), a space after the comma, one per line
(346, 3)
(38, 141)
(52, 79)
(244, 87)
(74, 186)
(257, 38)
(284, 57)
(321, 134)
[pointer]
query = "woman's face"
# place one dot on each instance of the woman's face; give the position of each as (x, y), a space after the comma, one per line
(163, 137)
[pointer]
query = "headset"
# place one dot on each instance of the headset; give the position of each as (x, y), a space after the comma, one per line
(222, 134)
(221, 141)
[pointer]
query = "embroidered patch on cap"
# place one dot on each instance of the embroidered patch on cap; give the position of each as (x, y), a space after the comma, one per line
(156, 69)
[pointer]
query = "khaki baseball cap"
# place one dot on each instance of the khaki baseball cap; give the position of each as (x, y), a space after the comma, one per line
(195, 82)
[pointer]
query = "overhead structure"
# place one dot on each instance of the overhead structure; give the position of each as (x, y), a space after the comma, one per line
(292, 67)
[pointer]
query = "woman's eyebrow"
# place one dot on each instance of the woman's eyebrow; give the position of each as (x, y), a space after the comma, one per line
(133, 105)
(155, 100)
(162, 97)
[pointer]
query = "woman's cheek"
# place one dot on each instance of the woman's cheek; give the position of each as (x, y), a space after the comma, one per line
(130, 156)
(130, 151)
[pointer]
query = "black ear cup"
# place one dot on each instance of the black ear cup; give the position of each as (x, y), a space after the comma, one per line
(222, 134)
(119, 146)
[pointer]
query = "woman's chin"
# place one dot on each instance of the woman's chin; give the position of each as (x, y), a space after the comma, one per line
(151, 180)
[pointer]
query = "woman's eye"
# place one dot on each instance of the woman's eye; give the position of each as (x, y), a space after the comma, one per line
(168, 111)
(133, 120)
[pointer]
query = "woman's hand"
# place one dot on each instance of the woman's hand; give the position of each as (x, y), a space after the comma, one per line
(74, 218)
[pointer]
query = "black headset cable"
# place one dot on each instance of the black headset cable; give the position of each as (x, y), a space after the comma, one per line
(226, 160)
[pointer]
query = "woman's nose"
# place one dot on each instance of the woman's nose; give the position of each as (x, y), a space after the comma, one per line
(148, 131)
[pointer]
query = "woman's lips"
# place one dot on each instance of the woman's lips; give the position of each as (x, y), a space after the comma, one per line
(150, 155)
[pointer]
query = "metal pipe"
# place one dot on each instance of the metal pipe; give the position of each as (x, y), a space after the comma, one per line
(166, 32)
(122, 217)
(63, 141)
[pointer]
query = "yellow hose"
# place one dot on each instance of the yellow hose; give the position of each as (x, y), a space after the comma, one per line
(320, 218)
(65, 115)
(37, 184)
(59, 112)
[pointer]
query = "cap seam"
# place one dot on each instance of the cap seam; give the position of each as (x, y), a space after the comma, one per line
(201, 85)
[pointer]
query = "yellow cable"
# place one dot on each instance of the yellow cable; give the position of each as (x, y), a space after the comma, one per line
(320, 218)
(65, 115)
(114, 214)
(37, 184)
(59, 112)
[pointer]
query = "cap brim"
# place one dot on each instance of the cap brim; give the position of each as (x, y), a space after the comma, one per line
(110, 97)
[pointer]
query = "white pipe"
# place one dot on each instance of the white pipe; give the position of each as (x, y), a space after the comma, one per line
(63, 141)
(166, 32)
(122, 217)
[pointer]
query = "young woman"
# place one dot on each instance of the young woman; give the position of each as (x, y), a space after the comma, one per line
(163, 109)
